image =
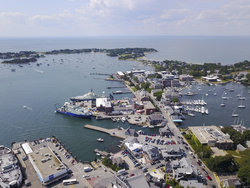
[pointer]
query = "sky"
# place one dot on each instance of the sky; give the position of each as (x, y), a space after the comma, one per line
(124, 18)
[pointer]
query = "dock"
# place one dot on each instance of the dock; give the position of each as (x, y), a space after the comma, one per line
(117, 132)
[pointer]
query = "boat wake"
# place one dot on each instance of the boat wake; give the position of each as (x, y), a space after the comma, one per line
(38, 71)
(16, 127)
(26, 107)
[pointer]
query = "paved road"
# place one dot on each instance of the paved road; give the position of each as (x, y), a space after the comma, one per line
(176, 132)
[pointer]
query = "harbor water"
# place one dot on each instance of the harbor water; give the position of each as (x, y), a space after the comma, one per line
(62, 76)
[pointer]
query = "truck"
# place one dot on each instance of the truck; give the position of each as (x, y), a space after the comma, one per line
(122, 171)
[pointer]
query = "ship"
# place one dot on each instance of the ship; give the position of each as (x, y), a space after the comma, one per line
(73, 110)
(10, 171)
(91, 95)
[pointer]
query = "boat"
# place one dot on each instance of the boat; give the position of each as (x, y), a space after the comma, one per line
(98, 154)
(231, 90)
(86, 97)
(100, 139)
(191, 114)
(73, 110)
(13, 70)
(241, 105)
(234, 114)
(10, 172)
(24, 106)
(215, 94)
(144, 126)
(241, 98)
(202, 110)
(151, 126)
(206, 111)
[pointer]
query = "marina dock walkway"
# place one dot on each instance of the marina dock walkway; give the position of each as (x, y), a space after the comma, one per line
(117, 132)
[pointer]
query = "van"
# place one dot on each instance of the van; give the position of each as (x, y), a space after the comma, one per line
(87, 169)
(105, 170)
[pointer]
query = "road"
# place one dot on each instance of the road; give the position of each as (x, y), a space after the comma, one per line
(176, 132)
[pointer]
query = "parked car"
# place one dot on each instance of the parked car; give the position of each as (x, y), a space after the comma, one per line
(131, 175)
(209, 177)
(152, 163)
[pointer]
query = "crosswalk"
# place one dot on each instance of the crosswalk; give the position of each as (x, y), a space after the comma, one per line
(79, 167)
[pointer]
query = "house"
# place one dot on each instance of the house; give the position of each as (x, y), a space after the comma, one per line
(191, 184)
(171, 151)
(149, 107)
(131, 132)
(155, 118)
(152, 152)
(142, 96)
(120, 74)
(235, 182)
(168, 167)
(131, 139)
(175, 83)
(183, 169)
(240, 147)
(119, 162)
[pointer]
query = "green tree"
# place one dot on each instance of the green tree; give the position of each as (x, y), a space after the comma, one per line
(175, 100)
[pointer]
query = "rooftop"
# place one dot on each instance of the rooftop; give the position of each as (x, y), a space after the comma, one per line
(210, 134)
(50, 161)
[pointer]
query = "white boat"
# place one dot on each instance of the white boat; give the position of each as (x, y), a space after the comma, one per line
(241, 105)
(206, 111)
(98, 154)
(100, 139)
(151, 126)
(24, 106)
(202, 110)
(145, 126)
(241, 98)
(215, 94)
(191, 114)
(234, 114)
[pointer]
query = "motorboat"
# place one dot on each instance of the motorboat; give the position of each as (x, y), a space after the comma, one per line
(100, 139)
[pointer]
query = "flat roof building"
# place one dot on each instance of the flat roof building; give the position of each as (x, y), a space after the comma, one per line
(212, 136)
(47, 165)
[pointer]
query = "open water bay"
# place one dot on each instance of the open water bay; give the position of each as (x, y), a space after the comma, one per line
(40, 87)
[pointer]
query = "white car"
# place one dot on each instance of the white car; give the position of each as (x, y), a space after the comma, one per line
(85, 176)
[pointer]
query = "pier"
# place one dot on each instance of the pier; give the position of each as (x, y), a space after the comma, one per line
(117, 132)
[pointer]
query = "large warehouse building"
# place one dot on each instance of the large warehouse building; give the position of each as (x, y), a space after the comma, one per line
(212, 136)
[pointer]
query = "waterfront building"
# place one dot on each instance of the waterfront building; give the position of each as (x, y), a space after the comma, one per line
(120, 74)
(119, 162)
(212, 136)
(185, 77)
(183, 169)
(46, 164)
(210, 78)
(142, 95)
(103, 104)
(10, 172)
(149, 108)
(155, 118)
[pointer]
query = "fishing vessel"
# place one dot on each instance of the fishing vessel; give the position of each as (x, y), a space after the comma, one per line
(10, 171)
(73, 110)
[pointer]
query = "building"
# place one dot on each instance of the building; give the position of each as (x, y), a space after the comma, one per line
(210, 78)
(131, 132)
(142, 95)
(175, 83)
(212, 136)
(166, 82)
(129, 182)
(149, 107)
(46, 164)
(234, 182)
(191, 184)
(171, 151)
(186, 78)
(155, 118)
(119, 162)
(152, 152)
(240, 147)
(103, 105)
(183, 169)
(120, 74)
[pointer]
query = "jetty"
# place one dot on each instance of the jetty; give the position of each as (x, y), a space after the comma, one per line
(117, 132)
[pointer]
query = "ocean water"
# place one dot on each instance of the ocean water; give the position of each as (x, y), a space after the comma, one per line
(39, 88)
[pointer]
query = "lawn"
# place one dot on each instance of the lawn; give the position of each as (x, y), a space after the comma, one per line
(233, 152)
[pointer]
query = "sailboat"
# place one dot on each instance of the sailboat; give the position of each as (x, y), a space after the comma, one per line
(234, 114)
(241, 105)
(224, 98)
(222, 102)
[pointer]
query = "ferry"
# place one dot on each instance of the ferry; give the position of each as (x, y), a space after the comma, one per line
(10, 171)
(73, 110)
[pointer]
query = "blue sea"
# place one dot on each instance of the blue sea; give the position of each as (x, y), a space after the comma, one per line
(39, 88)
